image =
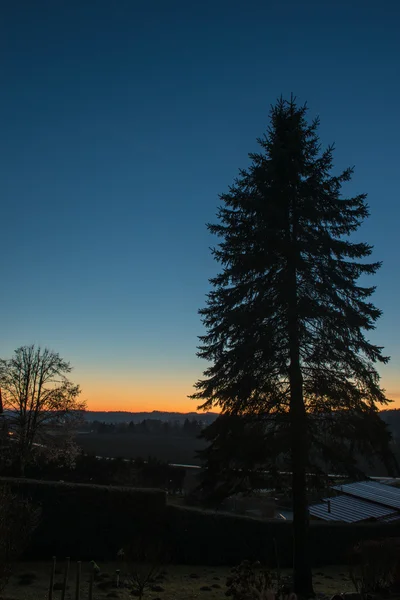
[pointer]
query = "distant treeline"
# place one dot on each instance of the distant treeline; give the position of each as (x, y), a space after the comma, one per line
(137, 417)
(189, 427)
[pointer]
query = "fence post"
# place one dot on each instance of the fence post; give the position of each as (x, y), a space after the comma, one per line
(65, 582)
(91, 580)
(78, 580)
(52, 573)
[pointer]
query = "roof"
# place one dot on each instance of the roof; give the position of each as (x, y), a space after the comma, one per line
(350, 510)
(373, 491)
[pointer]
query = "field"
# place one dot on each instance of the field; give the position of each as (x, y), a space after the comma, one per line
(173, 449)
(31, 582)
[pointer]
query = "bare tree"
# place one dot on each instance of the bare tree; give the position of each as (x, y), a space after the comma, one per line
(39, 399)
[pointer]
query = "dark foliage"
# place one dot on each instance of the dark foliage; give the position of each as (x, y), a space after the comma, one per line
(373, 566)
(245, 455)
(242, 457)
(142, 564)
(249, 581)
(189, 427)
(91, 469)
(18, 520)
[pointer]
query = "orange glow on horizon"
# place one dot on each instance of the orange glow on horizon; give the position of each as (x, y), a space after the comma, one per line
(395, 396)
(145, 396)
(163, 395)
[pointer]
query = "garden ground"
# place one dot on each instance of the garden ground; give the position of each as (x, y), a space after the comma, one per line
(30, 581)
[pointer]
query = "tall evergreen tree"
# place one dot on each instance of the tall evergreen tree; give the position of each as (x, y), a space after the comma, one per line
(287, 318)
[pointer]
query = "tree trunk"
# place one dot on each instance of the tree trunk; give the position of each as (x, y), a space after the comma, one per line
(302, 573)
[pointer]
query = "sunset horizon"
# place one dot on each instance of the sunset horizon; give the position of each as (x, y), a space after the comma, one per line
(125, 388)
(141, 401)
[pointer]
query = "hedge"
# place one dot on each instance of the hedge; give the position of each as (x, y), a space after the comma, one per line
(94, 521)
(88, 521)
(210, 538)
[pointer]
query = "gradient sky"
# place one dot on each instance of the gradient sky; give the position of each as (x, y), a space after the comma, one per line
(122, 121)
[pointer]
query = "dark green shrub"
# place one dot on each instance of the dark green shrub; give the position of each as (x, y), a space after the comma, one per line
(373, 566)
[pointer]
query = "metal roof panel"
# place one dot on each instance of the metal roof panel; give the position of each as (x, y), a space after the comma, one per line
(372, 491)
(349, 510)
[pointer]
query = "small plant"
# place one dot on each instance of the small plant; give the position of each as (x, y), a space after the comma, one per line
(251, 581)
(143, 564)
(248, 582)
(373, 566)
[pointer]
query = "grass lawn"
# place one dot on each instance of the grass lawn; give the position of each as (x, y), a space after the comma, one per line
(30, 581)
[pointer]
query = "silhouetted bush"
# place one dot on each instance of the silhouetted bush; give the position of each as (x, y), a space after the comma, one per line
(142, 563)
(374, 565)
(248, 581)
(18, 519)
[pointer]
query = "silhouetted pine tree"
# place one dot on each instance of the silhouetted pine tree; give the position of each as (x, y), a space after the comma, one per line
(286, 319)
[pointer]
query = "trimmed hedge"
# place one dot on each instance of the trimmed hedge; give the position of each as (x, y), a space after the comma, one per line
(88, 521)
(209, 538)
(201, 537)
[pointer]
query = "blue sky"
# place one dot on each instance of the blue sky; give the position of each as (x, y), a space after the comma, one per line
(122, 121)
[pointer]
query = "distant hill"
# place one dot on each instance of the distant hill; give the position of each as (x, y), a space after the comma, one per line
(137, 417)
(391, 417)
